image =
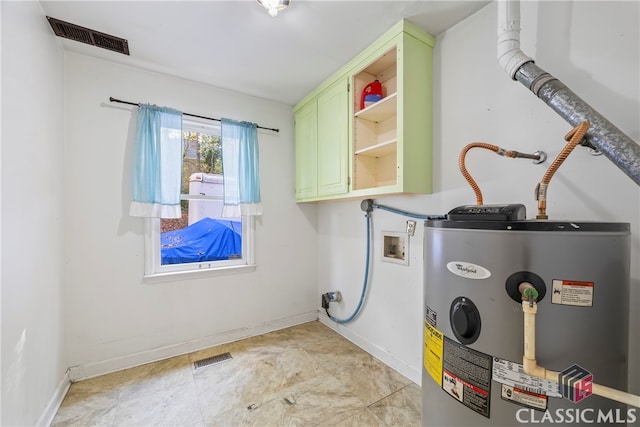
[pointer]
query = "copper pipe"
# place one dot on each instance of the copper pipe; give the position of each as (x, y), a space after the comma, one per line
(574, 137)
(501, 151)
(465, 172)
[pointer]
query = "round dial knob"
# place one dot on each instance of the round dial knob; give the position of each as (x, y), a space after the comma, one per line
(465, 320)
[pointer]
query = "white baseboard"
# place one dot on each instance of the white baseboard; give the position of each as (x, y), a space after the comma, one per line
(95, 369)
(89, 370)
(384, 356)
(56, 400)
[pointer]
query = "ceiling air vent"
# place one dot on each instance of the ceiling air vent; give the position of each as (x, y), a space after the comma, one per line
(88, 36)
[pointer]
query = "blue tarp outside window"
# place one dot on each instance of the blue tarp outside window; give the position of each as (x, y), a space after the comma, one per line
(205, 240)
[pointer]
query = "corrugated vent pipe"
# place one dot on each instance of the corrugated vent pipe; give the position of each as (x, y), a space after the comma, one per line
(603, 135)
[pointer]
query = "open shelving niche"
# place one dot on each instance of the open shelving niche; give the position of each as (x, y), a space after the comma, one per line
(375, 152)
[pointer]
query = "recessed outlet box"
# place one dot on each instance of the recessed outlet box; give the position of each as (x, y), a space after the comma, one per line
(395, 247)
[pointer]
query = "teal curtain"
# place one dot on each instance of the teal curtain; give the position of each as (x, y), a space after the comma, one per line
(240, 169)
(157, 168)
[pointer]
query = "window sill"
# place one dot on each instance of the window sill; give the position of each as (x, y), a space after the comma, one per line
(175, 276)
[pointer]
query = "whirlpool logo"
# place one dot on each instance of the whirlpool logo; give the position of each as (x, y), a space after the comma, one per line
(468, 270)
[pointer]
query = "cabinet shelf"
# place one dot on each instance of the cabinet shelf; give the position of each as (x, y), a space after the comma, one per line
(345, 152)
(379, 150)
(379, 111)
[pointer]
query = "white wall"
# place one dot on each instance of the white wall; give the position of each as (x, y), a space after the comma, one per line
(593, 47)
(33, 333)
(114, 318)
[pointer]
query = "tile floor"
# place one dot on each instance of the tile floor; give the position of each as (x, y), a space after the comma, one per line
(306, 375)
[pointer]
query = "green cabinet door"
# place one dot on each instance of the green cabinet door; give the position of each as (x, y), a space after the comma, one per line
(333, 142)
(344, 151)
(306, 123)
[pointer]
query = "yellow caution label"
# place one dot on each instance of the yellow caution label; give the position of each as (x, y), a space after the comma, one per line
(433, 345)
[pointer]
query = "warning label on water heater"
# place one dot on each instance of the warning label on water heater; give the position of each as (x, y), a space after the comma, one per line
(523, 397)
(513, 374)
(466, 376)
(433, 347)
(570, 292)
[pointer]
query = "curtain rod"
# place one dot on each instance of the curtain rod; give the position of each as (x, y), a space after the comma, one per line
(112, 99)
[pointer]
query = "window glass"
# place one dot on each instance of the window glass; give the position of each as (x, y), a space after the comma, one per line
(201, 240)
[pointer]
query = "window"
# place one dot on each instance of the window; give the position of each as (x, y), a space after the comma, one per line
(201, 242)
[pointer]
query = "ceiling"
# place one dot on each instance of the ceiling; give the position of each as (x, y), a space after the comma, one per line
(236, 45)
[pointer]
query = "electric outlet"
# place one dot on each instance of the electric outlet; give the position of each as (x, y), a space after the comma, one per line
(325, 301)
(411, 227)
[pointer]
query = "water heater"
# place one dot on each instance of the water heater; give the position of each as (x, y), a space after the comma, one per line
(475, 262)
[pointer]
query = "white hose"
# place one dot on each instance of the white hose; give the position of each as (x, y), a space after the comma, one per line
(510, 57)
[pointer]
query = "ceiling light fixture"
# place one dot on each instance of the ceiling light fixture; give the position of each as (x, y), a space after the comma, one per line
(274, 6)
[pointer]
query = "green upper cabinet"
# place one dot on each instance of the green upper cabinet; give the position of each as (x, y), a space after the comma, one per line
(322, 138)
(383, 145)
(306, 123)
(333, 139)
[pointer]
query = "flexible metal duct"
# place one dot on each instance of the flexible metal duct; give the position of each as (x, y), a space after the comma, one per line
(603, 135)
